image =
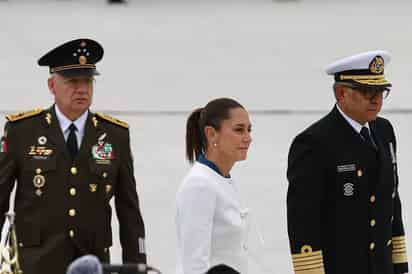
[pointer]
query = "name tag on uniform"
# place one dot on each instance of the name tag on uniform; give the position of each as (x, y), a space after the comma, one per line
(346, 168)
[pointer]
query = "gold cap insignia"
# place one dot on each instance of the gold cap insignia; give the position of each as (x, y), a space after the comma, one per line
(82, 60)
(377, 65)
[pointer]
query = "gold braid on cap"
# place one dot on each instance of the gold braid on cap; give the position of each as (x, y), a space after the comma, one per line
(77, 66)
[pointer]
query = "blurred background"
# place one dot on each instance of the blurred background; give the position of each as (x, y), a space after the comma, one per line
(164, 58)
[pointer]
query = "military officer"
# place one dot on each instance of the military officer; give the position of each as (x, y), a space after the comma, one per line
(343, 207)
(68, 163)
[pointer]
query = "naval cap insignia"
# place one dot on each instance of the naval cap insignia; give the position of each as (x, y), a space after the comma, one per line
(377, 65)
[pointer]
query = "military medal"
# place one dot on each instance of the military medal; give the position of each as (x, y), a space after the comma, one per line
(42, 140)
(38, 182)
(40, 152)
(103, 151)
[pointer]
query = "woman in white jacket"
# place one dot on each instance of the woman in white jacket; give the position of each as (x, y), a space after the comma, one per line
(209, 220)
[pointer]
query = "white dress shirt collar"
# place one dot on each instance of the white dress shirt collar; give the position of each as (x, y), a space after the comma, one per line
(356, 125)
(65, 122)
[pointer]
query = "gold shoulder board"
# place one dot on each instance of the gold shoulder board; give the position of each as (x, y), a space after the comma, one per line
(23, 115)
(112, 120)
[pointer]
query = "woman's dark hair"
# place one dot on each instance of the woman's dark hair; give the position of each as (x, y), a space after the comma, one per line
(212, 115)
(222, 269)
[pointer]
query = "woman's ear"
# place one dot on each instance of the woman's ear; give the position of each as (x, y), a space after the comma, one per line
(211, 134)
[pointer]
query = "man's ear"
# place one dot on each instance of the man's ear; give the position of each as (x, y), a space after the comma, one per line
(50, 84)
(340, 92)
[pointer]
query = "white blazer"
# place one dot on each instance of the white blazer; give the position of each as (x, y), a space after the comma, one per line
(211, 226)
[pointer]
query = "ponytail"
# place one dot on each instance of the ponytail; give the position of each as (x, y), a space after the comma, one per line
(194, 136)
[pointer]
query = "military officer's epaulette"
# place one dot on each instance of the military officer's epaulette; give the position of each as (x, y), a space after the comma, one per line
(112, 120)
(23, 115)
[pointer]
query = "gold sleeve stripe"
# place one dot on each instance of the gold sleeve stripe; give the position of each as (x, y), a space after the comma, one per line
(397, 246)
(299, 264)
(399, 258)
(319, 270)
(399, 250)
(398, 239)
(308, 261)
(309, 267)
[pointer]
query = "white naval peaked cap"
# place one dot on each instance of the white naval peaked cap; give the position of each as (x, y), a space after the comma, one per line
(364, 69)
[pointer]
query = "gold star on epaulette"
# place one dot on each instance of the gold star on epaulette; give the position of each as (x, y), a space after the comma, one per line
(112, 120)
(23, 115)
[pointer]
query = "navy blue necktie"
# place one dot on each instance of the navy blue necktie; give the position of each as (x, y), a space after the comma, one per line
(367, 137)
(72, 141)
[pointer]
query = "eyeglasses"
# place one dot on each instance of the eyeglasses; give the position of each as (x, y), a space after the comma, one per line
(371, 93)
(374, 93)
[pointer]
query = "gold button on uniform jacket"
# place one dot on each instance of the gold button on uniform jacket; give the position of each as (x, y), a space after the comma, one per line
(344, 211)
(62, 205)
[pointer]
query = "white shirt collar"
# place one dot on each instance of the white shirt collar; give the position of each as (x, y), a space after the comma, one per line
(66, 122)
(356, 126)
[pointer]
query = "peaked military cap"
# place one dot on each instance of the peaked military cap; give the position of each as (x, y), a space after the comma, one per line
(74, 58)
(364, 69)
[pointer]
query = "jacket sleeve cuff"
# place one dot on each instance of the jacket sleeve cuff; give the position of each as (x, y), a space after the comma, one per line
(399, 255)
(308, 261)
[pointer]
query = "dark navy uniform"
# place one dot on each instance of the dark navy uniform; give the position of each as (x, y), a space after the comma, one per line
(343, 206)
(62, 201)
